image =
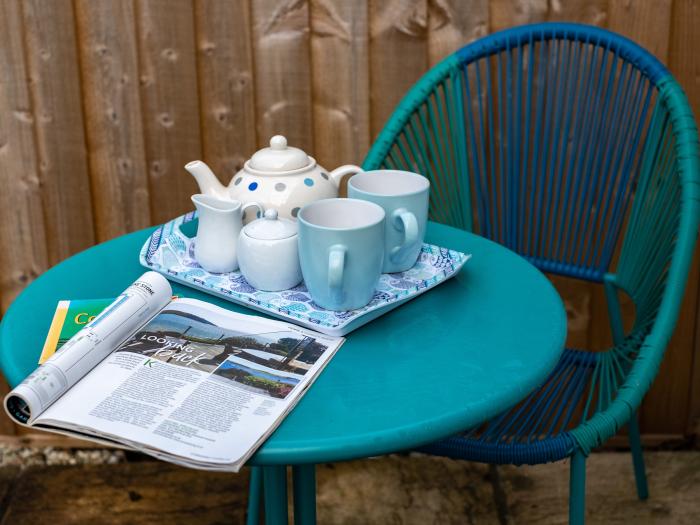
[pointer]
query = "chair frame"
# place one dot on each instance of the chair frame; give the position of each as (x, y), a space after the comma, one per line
(663, 217)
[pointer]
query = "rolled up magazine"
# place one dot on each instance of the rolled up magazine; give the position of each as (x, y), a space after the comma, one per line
(182, 380)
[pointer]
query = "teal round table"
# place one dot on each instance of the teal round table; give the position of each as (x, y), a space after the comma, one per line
(446, 361)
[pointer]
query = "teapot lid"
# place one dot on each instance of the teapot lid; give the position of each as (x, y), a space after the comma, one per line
(271, 228)
(279, 157)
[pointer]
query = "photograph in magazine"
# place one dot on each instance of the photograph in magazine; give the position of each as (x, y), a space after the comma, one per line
(269, 363)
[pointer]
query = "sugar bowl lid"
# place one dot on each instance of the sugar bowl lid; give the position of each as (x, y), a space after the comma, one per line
(279, 157)
(271, 228)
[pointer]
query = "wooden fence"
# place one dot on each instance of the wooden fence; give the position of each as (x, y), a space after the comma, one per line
(103, 102)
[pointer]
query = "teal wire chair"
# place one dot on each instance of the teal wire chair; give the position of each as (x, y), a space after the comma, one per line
(553, 140)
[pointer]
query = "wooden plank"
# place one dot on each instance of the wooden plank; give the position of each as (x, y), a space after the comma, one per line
(509, 13)
(665, 407)
(647, 23)
(649, 441)
(169, 102)
(7, 427)
(109, 69)
(684, 60)
(52, 59)
(452, 24)
(585, 302)
(693, 422)
(684, 63)
(398, 54)
(576, 296)
(282, 65)
(22, 232)
(227, 92)
(671, 405)
(340, 70)
(593, 12)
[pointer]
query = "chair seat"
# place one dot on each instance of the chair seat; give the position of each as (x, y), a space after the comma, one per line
(536, 430)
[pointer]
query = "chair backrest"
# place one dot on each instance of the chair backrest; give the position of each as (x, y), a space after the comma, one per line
(538, 136)
(552, 139)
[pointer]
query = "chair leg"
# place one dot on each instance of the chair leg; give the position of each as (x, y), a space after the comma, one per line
(577, 489)
(255, 488)
(640, 475)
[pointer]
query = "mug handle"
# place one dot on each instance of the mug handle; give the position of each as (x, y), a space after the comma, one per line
(247, 205)
(404, 219)
(337, 174)
(336, 266)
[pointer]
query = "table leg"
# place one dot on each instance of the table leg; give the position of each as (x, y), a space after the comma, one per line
(304, 477)
(255, 489)
(275, 495)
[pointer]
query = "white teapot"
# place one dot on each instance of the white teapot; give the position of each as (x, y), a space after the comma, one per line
(280, 177)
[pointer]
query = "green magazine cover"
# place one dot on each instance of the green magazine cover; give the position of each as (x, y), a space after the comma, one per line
(69, 319)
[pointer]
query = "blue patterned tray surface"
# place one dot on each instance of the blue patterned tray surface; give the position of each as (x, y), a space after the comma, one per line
(171, 252)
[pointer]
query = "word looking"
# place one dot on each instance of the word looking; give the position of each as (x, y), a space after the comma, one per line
(174, 350)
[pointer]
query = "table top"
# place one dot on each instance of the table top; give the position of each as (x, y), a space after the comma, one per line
(443, 362)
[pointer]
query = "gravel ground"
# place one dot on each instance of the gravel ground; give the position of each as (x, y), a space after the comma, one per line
(23, 457)
(76, 487)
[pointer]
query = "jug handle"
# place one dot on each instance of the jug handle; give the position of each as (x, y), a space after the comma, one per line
(348, 169)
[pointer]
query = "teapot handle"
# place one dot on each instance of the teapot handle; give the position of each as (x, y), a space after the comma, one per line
(348, 169)
(261, 210)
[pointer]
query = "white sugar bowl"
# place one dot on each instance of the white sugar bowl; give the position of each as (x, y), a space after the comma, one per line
(268, 253)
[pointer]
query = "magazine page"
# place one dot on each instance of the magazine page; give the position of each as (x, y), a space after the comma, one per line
(198, 385)
(126, 314)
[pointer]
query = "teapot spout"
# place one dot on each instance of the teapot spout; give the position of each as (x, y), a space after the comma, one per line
(208, 183)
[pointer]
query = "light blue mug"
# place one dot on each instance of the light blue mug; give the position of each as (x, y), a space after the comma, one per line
(404, 197)
(341, 250)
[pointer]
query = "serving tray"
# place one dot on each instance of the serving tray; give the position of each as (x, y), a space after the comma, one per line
(170, 251)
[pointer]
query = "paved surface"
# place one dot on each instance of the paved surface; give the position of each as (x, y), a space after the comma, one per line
(105, 487)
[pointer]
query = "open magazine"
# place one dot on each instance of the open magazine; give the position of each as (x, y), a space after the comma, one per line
(184, 380)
